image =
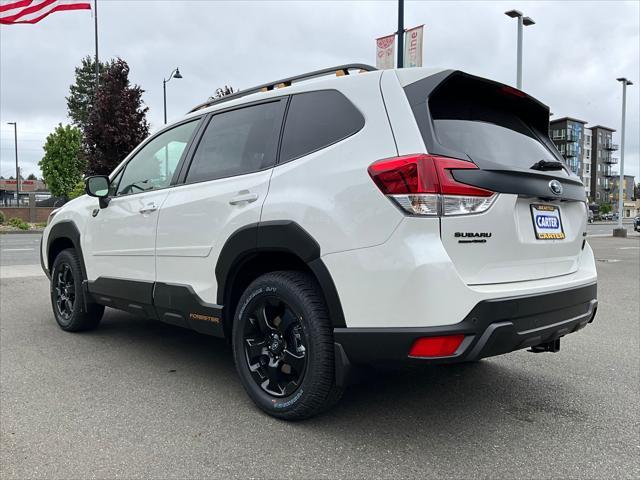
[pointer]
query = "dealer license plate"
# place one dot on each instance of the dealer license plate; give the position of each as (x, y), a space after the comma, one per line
(547, 222)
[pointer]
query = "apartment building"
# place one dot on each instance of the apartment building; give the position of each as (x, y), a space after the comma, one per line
(588, 152)
(602, 163)
(569, 135)
(627, 188)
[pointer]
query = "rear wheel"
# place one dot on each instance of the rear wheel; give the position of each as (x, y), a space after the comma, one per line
(67, 297)
(283, 346)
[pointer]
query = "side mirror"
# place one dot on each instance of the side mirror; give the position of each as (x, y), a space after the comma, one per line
(98, 186)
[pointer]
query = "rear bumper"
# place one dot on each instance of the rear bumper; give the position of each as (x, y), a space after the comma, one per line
(493, 327)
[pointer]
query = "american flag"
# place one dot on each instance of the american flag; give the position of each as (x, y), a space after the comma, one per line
(32, 11)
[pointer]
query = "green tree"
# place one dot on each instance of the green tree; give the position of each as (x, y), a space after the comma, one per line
(77, 190)
(605, 208)
(82, 92)
(32, 177)
(117, 122)
(63, 165)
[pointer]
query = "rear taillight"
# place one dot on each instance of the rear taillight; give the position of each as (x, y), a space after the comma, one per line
(423, 185)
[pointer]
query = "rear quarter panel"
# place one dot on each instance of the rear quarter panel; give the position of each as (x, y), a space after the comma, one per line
(329, 192)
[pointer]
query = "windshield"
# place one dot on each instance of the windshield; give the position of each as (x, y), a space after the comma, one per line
(516, 146)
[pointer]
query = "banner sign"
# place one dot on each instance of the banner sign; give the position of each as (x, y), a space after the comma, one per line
(413, 47)
(385, 52)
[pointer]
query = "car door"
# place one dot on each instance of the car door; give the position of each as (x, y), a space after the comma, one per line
(224, 188)
(120, 239)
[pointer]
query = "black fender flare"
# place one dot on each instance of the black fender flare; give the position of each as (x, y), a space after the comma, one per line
(277, 236)
(66, 229)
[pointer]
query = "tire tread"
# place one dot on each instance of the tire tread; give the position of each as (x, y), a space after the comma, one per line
(322, 393)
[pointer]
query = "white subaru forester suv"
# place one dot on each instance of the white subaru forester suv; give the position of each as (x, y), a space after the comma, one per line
(339, 218)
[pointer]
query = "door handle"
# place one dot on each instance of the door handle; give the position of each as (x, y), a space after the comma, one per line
(151, 207)
(243, 197)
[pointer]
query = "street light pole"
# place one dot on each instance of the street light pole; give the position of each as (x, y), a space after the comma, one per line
(164, 95)
(174, 74)
(519, 67)
(15, 139)
(522, 22)
(400, 33)
(620, 231)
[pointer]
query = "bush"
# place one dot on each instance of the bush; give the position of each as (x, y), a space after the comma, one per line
(77, 191)
(18, 223)
(605, 208)
(1, 218)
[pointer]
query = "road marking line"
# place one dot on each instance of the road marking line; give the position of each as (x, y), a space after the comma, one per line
(628, 248)
(18, 249)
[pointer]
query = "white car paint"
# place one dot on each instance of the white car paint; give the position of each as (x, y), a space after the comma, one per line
(389, 269)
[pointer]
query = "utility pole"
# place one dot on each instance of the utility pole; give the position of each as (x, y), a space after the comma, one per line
(15, 139)
(95, 23)
(400, 33)
(620, 231)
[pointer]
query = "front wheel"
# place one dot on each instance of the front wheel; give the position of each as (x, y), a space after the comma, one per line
(283, 346)
(71, 311)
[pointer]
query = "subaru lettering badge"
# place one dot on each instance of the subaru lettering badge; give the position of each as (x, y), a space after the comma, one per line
(556, 187)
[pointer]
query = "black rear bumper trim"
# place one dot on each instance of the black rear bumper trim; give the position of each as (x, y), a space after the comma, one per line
(493, 327)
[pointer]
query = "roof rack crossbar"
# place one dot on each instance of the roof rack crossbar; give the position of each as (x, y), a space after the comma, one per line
(286, 82)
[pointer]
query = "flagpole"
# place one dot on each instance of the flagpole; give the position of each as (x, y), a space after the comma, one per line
(95, 19)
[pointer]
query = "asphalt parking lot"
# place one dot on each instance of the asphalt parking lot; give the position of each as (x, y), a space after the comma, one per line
(141, 399)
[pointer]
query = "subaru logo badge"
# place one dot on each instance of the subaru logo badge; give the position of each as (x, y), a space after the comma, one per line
(556, 187)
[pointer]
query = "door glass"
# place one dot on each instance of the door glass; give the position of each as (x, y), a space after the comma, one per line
(115, 181)
(238, 142)
(154, 165)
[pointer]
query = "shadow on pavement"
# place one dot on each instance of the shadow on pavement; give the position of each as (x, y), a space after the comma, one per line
(428, 401)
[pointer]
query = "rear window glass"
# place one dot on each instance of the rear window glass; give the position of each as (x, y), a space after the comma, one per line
(517, 146)
(492, 124)
(316, 120)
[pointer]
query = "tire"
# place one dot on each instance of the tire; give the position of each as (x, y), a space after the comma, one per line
(67, 297)
(282, 318)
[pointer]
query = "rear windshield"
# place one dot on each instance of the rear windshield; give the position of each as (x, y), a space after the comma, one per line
(490, 141)
(492, 124)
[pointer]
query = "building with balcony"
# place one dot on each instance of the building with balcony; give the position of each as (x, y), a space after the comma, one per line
(602, 162)
(590, 153)
(568, 135)
(627, 188)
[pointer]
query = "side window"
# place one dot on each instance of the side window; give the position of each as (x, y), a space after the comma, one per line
(238, 142)
(153, 166)
(316, 120)
(115, 181)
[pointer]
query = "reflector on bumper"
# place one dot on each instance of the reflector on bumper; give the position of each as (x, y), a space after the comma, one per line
(430, 347)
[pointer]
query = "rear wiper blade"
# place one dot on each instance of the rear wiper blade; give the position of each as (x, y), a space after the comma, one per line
(547, 165)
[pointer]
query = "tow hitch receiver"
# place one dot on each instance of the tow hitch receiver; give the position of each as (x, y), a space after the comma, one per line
(553, 346)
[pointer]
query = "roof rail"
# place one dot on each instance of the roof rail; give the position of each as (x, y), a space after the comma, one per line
(340, 70)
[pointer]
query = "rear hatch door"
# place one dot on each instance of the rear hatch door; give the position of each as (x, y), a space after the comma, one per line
(535, 229)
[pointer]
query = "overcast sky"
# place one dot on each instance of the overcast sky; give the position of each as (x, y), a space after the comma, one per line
(572, 55)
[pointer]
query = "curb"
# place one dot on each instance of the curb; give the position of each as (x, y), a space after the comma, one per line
(20, 232)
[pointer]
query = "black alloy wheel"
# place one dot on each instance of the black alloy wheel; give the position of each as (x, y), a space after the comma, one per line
(65, 291)
(275, 347)
(283, 345)
(71, 309)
